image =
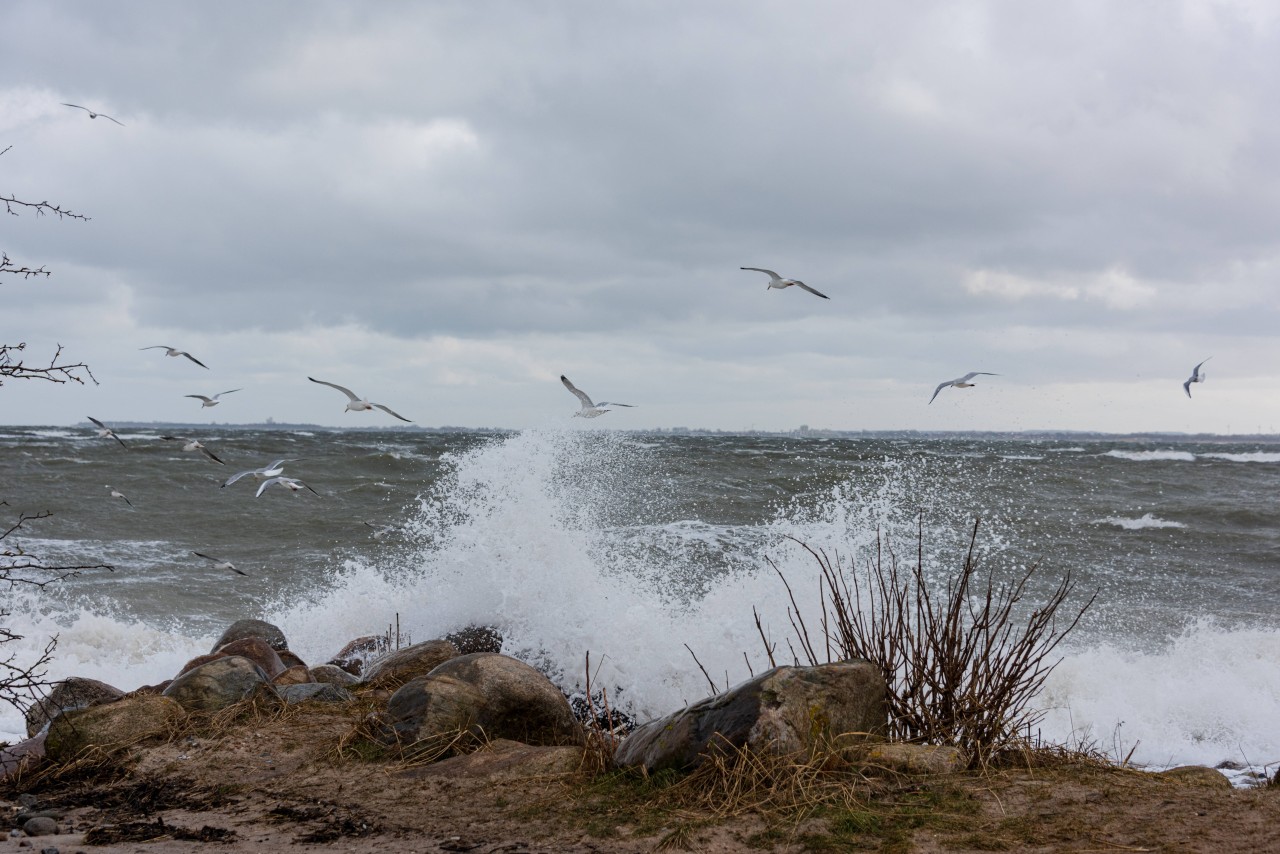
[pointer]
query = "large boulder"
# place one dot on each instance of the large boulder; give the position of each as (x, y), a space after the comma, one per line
(785, 710)
(296, 675)
(217, 684)
(112, 726)
(396, 668)
(486, 694)
(73, 693)
(252, 629)
(257, 650)
(333, 674)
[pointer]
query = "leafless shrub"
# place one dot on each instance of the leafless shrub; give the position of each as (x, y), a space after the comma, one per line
(22, 682)
(960, 664)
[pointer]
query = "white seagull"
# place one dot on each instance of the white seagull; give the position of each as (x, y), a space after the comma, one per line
(218, 563)
(91, 113)
(776, 281)
(173, 351)
(589, 409)
(380, 531)
(115, 493)
(1196, 377)
(961, 382)
(105, 432)
(359, 404)
(271, 469)
(193, 445)
(210, 401)
(290, 483)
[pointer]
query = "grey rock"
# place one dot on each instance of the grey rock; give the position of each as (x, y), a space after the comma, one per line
(1197, 775)
(218, 684)
(396, 668)
(111, 727)
(27, 799)
(40, 826)
(322, 692)
(50, 850)
(73, 693)
(252, 629)
(257, 650)
(917, 758)
(334, 675)
(785, 710)
(486, 694)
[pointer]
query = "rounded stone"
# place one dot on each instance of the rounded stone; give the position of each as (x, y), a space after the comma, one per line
(111, 726)
(487, 694)
(73, 693)
(252, 629)
(296, 675)
(217, 684)
(396, 668)
(40, 826)
(358, 653)
(258, 651)
(334, 675)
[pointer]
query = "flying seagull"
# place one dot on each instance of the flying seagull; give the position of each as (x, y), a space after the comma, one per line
(1196, 377)
(271, 469)
(210, 401)
(193, 445)
(105, 432)
(222, 564)
(115, 493)
(961, 382)
(356, 403)
(290, 483)
(173, 351)
(589, 409)
(776, 281)
(91, 113)
(380, 531)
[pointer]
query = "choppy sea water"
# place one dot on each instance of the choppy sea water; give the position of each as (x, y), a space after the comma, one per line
(630, 546)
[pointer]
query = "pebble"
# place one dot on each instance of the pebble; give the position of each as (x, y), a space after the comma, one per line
(41, 825)
(49, 850)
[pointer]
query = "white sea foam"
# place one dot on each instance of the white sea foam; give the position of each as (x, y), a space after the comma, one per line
(1147, 456)
(1209, 695)
(1065, 450)
(1146, 520)
(1020, 457)
(1251, 457)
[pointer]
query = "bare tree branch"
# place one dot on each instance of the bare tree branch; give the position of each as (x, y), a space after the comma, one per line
(54, 372)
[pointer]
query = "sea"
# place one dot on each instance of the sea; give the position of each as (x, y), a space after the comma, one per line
(647, 558)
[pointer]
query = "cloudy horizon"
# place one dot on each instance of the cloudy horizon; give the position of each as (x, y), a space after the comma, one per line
(446, 206)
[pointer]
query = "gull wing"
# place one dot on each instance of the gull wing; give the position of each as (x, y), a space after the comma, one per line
(193, 358)
(207, 557)
(811, 290)
(941, 386)
(265, 484)
(99, 423)
(210, 455)
(105, 116)
(156, 347)
(389, 412)
(772, 275)
(607, 403)
(77, 106)
(577, 392)
(1187, 386)
(237, 476)
(1196, 372)
(202, 397)
(348, 392)
(220, 394)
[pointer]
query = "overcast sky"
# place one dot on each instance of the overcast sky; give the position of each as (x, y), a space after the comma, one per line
(447, 205)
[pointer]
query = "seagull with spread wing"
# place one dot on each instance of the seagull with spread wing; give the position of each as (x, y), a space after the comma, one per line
(589, 409)
(271, 469)
(290, 483)
(218, 563)
(1196, 377)
(105, 432)
(193, 445)
(776, 281)
(115, 493)
(174, 351)
(961, 382)
(355, 403)
(206, 402)
(92, 114)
